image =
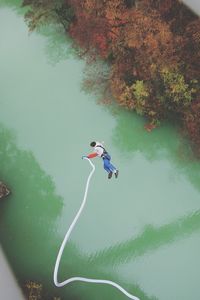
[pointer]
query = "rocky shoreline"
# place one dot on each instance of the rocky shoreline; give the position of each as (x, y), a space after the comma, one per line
(4, 190)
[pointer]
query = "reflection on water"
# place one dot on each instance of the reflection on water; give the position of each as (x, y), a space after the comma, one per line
(76, 264)
(162, 143)
(58, 46)
(150, 239)
(31, 230)
(33, 207)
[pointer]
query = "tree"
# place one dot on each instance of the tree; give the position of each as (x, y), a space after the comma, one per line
(48, 11)
(151, 46)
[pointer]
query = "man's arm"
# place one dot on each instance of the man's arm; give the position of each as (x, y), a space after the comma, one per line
(92, 155)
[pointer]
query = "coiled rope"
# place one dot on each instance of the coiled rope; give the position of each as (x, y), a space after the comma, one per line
(83, 279)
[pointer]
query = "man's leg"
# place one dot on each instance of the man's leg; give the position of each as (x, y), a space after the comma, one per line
(113, 169)
(106, 164)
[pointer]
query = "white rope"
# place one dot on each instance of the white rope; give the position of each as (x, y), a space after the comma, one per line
(83, 279)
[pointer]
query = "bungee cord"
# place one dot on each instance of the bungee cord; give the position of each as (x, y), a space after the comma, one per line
(67, 235)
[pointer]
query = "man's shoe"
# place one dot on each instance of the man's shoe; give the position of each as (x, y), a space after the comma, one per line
(110, 175)
(116, 173)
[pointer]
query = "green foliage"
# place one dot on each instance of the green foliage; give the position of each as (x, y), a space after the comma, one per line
(176, 89)
(141, 94)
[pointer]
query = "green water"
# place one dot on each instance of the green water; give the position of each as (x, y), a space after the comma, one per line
(141, 230)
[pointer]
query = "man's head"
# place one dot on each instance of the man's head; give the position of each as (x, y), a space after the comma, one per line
(93, 144)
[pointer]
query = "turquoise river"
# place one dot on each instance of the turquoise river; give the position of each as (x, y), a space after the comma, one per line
(140, 230)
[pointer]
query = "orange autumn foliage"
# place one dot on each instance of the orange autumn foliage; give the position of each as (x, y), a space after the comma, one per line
(152, 48)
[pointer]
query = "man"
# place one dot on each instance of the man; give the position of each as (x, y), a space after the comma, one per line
(100, 151)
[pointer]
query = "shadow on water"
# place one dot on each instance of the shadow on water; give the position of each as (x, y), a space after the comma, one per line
(150, 239)
(28, 222)
(58, 43)
(28, 217)
(78, 265)
(130, 137)
(164, 143)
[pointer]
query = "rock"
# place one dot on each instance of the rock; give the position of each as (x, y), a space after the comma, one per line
(4, 191)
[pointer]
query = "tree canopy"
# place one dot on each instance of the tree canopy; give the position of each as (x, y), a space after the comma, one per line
(152, 47)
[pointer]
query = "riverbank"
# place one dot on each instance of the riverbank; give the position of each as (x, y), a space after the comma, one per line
(151, 47)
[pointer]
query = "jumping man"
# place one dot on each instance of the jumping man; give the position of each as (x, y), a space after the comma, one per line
(100, 151)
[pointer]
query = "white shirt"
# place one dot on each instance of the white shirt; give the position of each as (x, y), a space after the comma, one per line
(98, 150)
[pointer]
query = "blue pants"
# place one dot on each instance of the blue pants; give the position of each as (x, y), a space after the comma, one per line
(107, 164)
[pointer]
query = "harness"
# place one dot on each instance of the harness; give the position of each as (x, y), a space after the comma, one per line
(105, 153)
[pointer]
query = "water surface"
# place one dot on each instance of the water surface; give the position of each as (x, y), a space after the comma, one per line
(141, 230)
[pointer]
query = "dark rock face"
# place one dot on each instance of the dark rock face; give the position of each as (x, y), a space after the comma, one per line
(4, 191)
